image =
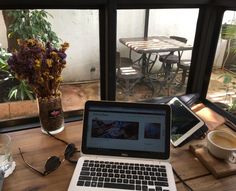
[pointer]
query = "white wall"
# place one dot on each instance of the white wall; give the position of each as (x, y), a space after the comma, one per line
(177, 22)
(130, 23)
(80, 28)
(3, 39)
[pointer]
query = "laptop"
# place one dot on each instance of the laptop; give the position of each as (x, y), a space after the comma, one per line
(125, 146)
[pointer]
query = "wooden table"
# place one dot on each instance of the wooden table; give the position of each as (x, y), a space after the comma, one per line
(37, 147)
(154, 44)
(149, 48)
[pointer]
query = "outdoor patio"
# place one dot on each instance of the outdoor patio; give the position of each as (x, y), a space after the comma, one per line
(75, 95)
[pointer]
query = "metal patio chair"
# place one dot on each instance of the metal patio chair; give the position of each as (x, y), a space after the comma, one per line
(127, 76)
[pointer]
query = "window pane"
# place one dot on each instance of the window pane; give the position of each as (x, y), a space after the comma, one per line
(150, 67)
(81, 76)
(221, 90)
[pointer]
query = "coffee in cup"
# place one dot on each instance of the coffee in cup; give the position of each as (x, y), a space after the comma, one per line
(222, 145)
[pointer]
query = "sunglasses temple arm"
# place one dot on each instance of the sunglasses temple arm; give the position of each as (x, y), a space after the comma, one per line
(43, 174)
(57, 138)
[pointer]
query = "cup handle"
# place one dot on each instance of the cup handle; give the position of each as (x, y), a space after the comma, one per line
(232, 157)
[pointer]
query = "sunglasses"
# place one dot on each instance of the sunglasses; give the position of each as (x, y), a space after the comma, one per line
(54, 162)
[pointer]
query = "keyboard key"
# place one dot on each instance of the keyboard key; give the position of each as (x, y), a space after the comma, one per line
(144, 188)
(94, 178)
(140, 177)
(104, 174)
(148, 169)
(85, 178)
(86, 173)
(147, 177)
(100, 184)
(140, 172)
(138, 187)
(80, 183)
(153, 178)
(162, 170)
(154, 169)
(119, 186)
(162, 179)
(125, 181)
(164, 174)
(94, 184)
(119, 180)
(151, 173)
(150, 183)
(161, 184)
(87, 183)
(131, 181)
(122, 171)
(158, 188)
(144, 182)
(85, 169)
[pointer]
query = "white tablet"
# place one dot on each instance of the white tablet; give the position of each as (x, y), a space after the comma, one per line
(184, 122)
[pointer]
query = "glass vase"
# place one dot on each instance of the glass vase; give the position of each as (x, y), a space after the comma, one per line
(51, 115)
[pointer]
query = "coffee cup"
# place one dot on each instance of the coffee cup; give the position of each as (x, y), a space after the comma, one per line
(222, 145)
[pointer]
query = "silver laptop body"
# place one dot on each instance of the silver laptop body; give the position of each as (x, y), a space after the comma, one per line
(125, 146)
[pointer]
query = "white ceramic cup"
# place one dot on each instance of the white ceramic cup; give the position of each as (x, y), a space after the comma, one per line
(222, 144)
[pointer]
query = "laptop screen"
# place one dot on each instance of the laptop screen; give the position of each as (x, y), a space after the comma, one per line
(126, 129)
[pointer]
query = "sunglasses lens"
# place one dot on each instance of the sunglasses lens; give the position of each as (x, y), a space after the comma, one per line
(70, 150)
(52, 164)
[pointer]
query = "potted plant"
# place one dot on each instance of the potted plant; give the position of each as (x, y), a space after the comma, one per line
(27, 24)
(40, 65)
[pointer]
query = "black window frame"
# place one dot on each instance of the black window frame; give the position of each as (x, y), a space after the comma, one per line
(205, 43)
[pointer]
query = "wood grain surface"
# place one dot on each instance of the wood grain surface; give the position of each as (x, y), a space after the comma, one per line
(37, 147)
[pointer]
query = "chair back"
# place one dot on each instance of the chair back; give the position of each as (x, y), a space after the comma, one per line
(181, 39)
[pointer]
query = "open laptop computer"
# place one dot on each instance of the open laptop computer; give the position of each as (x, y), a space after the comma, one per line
(125, 146)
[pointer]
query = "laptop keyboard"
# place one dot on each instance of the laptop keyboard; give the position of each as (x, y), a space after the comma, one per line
(126, 176)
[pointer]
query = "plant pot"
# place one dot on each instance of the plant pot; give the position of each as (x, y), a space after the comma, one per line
(51, 115)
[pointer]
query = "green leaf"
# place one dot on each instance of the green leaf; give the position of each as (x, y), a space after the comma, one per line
(13, 93)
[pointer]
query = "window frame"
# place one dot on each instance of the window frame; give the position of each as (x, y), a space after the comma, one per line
(205, 43)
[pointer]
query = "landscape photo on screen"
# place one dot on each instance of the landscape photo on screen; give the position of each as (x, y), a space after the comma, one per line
(115, 129)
